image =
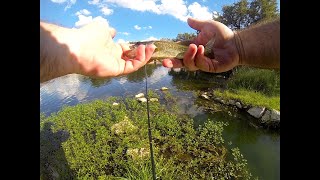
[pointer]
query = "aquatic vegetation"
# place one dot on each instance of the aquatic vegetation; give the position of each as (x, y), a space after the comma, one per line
(98, 140)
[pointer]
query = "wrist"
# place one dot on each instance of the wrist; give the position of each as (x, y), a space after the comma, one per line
(65, 47)
(239, 47)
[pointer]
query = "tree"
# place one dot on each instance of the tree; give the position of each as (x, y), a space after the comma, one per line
(235, 16)
(185, 36)
(242, 14)
(263, 10)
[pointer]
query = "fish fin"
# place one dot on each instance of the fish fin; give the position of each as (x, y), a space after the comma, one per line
(208, 48)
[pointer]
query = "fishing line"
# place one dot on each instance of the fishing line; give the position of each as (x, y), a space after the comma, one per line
(149, 126)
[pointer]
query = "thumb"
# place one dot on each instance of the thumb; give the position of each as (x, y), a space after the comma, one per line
(196, 24)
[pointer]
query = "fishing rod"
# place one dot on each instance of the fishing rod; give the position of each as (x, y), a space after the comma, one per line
(149, 127)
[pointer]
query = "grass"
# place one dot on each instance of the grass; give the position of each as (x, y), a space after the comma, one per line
(100, 141)
(257, 87)
(265, 81)
(250, 97)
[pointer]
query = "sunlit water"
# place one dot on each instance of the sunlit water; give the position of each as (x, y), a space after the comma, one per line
(260, 147)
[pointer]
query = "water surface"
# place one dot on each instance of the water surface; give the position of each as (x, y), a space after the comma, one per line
(260, 147)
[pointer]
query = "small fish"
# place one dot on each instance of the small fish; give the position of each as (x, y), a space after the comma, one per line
(169, 49)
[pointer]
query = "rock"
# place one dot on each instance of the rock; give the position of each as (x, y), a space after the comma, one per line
(138, 153)
(256, 111)
(142, 99)
(164, 88)
(217, 99)
(232, 102)
(115, 104)
(153, 99)
(275, 115)
(140, 95)
(205, 96)
(238, 104)
(271, 118)
(266, 117)
(124, 126)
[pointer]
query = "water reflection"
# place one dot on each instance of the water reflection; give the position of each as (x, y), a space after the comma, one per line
(261, 148)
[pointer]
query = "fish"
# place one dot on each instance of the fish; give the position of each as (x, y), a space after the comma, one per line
(169, 49)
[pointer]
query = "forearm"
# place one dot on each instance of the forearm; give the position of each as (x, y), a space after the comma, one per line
(259, 46)
(55, 56)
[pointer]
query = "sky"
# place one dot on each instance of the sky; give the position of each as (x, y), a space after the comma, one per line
(134, 20)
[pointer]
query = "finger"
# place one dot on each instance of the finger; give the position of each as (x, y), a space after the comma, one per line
(208, 65)
(149, 51)
(140, 60)
(172, 63)
(189, 58)
(196, 24)
(112, 32)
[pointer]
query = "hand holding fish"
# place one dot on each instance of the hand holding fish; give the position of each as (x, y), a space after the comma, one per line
(256, 46)
(88, 51)
(224, 51)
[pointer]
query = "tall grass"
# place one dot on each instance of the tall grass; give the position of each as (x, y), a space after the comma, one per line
(264, 81)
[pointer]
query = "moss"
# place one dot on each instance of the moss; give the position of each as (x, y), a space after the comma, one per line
(92, 151)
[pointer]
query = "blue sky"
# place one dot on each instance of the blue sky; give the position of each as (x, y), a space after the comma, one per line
(134, 20)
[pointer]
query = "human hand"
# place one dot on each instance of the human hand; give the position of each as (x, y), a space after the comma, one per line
(96, 55)
(224, 48)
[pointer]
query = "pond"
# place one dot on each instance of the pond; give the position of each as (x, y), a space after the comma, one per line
(259, 146)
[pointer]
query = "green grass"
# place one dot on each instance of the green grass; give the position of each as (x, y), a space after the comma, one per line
(253, 86)
(250, 97)
(85, 142)
(264, 81)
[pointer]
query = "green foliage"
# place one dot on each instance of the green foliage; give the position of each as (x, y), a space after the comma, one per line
(250, 97)
(243, 13)
(111, 142)
(263, 10)
(264, 81)
(185, 36)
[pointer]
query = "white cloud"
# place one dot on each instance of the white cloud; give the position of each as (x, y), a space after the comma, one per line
(106, 11)
(147, 27)
(83, 20)
(94, 2)
(151, 38)
(122, 41)
(83, 12)
(124, 33)
(175, 8)
(199, 12)
(59, 1)
(138, 5)
(69, 3)
(103, 7)
(137, 27)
